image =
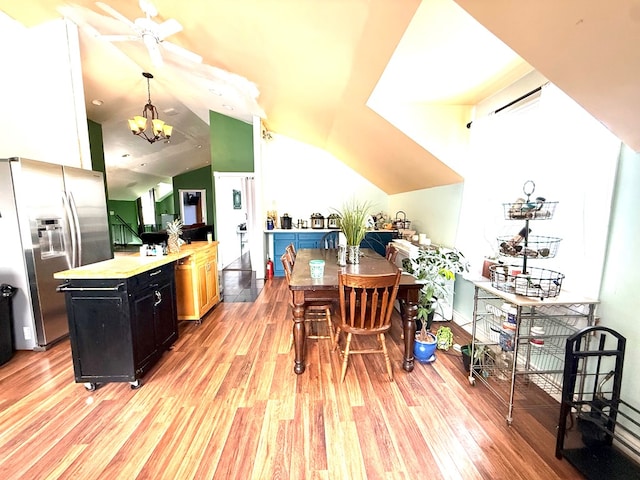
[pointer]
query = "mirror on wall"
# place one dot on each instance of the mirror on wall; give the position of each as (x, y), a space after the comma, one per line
(193, 206)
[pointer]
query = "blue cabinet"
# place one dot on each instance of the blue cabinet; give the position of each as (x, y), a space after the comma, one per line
(308, 239)
(376, 240)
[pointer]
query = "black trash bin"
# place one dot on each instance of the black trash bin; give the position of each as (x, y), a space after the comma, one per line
(6, 322)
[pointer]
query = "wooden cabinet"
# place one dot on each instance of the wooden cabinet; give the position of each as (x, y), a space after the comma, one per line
(197, 282)
(120, 327)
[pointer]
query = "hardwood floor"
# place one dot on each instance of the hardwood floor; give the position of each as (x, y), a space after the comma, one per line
(225, 404)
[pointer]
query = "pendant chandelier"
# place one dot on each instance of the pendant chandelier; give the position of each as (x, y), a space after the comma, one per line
(138, 124)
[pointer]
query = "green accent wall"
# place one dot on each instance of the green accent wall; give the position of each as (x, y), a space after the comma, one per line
(96, 150)
(166, 205)
(231, 149)
(231, 144)
(128, 211)
(201, 179)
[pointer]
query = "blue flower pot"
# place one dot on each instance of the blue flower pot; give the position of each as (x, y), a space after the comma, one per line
(424, 352)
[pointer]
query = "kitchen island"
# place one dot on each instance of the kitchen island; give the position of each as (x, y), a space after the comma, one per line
(122, 316)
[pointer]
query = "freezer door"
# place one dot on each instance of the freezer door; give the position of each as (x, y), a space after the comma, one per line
(46, 241)
(88, 211)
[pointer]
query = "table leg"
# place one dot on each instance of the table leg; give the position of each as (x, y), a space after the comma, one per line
(409, 328)
(299, 336)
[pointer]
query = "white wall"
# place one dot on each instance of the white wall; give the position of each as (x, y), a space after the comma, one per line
(620, 302)
(433, 211)
(299, 179)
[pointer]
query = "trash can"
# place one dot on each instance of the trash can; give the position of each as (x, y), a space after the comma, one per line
(6, 322)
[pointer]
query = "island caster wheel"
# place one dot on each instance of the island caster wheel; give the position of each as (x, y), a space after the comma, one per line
(136, 385)
(90, 386)
(472, 381)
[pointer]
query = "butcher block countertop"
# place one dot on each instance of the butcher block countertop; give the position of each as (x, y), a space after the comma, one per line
(129, 265)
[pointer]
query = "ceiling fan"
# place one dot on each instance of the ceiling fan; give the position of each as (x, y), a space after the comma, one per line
(151, 33)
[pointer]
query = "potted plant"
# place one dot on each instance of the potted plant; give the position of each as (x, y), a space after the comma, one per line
(444, 338)
(433, 267)
(353, 223)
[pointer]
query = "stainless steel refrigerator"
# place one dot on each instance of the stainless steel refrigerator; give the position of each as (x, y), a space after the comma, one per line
(52, 218)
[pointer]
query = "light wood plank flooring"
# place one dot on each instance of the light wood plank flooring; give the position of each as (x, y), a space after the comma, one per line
(225, 404)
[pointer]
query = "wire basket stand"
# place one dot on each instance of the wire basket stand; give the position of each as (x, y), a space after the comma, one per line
(529, 281)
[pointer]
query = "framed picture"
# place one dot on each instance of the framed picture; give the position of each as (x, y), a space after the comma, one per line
(237, 200)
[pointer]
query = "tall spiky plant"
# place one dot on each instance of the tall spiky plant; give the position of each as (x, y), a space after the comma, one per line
(353, 220)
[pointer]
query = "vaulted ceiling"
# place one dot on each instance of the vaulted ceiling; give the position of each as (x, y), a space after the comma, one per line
(386, 86)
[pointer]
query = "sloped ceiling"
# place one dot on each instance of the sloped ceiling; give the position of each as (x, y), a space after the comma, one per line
(386, 86)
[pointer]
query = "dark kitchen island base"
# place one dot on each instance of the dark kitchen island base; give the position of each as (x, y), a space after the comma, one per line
(120, 327)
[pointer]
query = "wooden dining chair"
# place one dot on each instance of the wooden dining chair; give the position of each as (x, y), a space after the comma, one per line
(291, 251)
(391, 252)
(329, 240)
(366, 306)
(315, 312)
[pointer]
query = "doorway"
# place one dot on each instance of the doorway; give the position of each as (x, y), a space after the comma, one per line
(192, 206)
(235, 229)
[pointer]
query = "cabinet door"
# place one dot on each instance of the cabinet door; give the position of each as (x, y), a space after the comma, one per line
(100, 337)
(213, 274)
(201, 268)
(212, 282)
(310, 240)
(186, 289)
(143, 326)
(280, 242)
(166, 326)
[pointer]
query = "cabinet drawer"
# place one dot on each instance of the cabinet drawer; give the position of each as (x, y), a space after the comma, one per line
(153, 276)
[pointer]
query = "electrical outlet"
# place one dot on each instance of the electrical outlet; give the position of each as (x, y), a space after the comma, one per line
(27, 333)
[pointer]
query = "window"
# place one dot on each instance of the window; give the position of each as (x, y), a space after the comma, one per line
(570, 157)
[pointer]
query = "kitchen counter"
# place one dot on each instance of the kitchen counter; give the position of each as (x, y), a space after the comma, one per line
(125, 266)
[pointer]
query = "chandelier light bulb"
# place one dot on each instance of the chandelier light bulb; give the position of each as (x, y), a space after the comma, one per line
(138, 124)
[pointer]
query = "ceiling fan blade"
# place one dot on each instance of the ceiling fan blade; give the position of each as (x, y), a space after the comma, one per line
(120, 38)
(148, 8)
(167, 28)
(183, 52)
(115, 14)
(154, 50)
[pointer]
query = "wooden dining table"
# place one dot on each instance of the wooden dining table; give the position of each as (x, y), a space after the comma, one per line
(306, 289)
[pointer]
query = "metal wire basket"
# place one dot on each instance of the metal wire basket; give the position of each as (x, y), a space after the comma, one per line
(537, 247)
(536, 282)
(529, 210)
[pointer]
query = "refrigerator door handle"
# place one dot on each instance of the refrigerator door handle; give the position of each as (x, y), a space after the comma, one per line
(72, 229)
(76, 221)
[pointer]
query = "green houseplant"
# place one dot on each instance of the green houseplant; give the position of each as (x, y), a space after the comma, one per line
(433, 267)
(353, 223)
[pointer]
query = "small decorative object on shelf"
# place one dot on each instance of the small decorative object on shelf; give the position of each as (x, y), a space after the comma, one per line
(174, 230)
(532, 281)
